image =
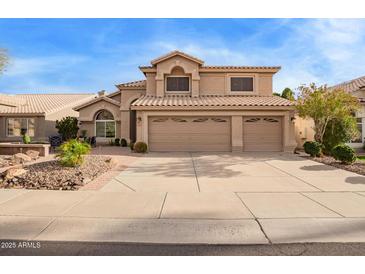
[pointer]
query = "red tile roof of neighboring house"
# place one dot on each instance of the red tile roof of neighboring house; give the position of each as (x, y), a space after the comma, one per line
(40, 103)
(352, 85)
(211, 101)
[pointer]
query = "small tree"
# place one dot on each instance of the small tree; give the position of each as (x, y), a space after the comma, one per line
(4, 59)
(287, 93)
(339, 132)
(325, 106)
(67, 127)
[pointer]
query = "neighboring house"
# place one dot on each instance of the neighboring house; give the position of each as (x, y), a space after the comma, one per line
(304, 127)
(35, 113)
(183, 105)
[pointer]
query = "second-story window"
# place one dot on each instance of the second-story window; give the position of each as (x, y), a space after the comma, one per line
(241, 83)
(177, 84)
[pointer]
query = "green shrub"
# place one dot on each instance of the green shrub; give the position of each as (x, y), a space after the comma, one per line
(117, 142)
(313, 148)
(140, 147)
(72, 152)
(111, 142)
(339, 132)
(67, 127)
(123, 142)
(26, 139)
(344, 153)
(131, 146)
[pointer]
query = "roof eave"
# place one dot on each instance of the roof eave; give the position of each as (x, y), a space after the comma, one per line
(218, 108)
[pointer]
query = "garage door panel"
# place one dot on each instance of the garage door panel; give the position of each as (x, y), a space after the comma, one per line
(193, 134)
(262, 134)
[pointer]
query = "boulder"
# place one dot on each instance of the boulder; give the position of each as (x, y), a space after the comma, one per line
(21, 158)
(14, 172)
(3, 162)
(33, 154)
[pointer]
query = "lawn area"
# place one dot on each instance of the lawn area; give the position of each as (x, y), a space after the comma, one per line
(361, 158)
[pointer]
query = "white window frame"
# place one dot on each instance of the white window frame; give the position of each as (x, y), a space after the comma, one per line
(177, 91)
(104, 121)
(27, 118)
(242, 75)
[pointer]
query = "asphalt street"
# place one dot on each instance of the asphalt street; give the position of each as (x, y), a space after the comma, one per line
(35, 248)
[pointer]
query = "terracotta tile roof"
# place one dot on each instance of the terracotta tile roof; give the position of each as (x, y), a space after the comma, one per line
(39, 103)
(173, 53)
(241, 67)
(210, 101)
(229, 67)
(352, 85)
(97, 99)
(134, 84)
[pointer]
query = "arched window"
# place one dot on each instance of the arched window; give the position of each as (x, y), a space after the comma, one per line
(104, 124)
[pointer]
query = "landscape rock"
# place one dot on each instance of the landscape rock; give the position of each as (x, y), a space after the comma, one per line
(33, 154)
(52, 175)
(21, 158)
(3, 162)
(14, 172)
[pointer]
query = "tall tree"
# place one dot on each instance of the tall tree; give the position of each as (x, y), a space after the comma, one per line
(3, 59)
(325, 106)
(287, 93)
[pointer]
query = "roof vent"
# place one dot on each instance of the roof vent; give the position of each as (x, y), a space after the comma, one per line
(101, 93)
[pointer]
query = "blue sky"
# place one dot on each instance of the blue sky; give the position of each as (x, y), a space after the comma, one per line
(87, 55)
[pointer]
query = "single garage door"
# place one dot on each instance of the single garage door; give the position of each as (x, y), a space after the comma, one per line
(262, 134)
(177, 133)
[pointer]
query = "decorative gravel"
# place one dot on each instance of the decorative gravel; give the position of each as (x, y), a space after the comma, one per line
(357, 167)
(51, 175)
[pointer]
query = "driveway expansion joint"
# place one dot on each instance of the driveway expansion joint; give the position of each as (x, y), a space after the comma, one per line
(321, 205)
(293, 176)
(255, 218)
(162, 206)
(124, 184)
(196, 175)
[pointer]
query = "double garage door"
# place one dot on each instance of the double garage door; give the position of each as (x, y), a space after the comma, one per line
(189, 133)
(177, 133)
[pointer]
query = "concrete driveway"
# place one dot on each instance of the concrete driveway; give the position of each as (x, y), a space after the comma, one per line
(199, 198)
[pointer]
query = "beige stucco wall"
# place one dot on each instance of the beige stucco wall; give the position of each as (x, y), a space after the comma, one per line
(213, 83)
(151, 84)
(88, 113)
(265, 84)
(303, 130)
(128, 96)
(116, 97)
(204, 83)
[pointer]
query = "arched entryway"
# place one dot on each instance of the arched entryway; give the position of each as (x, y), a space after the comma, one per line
(105, 126)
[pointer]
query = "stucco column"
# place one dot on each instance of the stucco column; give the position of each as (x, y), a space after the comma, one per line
(237, 138)
(124, 125)
(195, 88)
(289, 142)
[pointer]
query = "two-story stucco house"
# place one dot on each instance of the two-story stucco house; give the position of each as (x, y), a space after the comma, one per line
(183, 105)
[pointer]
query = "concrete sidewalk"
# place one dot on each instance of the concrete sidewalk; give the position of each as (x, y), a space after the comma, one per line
(198, 198)
(216, 218)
